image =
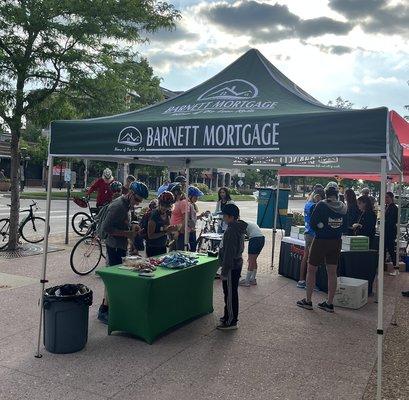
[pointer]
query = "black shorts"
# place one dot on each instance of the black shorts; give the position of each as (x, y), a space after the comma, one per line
(325, 251)
(256, 244)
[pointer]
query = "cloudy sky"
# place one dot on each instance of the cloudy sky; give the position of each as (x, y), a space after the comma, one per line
(356, 49)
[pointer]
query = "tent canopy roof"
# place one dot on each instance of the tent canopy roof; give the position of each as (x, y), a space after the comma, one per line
(250, 109)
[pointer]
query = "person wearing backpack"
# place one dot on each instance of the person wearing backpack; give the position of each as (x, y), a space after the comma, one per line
(159, 225)
(116, 230)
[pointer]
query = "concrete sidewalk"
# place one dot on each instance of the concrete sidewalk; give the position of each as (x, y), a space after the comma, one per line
(279, 352)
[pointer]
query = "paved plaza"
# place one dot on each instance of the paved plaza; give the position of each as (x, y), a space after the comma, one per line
(279, 352)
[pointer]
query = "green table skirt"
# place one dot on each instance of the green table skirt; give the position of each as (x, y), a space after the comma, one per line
(148, 307)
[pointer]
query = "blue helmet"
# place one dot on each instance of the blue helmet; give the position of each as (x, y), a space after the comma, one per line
(115, 186)
(140, 189)
(193, 191)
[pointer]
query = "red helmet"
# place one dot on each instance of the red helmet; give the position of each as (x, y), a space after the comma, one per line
(166, 198)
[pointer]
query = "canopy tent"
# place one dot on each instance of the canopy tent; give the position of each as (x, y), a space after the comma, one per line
(244, 115)
(326, 167)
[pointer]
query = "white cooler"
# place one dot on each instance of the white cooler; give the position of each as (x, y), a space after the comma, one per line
(351, 293)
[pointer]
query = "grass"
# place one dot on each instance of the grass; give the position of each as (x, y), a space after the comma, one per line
(62, 195)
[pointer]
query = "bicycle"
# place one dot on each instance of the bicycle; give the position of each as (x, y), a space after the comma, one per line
(81, 221)
(31, 228)
(210, 226)
(88, 251)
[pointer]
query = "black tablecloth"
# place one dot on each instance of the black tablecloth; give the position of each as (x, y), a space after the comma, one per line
(353, 264)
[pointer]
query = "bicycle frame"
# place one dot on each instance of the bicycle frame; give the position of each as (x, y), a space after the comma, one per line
(30, 215)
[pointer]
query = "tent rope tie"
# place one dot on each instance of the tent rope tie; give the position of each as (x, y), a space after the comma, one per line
(379, 331)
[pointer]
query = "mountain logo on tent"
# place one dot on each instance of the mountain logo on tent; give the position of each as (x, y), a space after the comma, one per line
(236, 89)
(130, 136)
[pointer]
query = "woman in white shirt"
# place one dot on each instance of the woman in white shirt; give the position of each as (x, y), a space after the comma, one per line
(224, 198)
(256, 244)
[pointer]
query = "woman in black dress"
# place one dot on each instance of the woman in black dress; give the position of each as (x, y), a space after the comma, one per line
(366, 225)
(353, 211)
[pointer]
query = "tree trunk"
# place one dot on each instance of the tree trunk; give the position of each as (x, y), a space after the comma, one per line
(15, 187)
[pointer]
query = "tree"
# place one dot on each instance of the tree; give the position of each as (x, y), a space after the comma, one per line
(46, 45)
(339, 102)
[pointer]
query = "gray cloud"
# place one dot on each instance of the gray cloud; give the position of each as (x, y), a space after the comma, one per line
(270, 23)
(175, 35)
(375, 16)
(163, 58)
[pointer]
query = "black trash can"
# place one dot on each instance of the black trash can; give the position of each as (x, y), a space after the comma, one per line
(66, 310)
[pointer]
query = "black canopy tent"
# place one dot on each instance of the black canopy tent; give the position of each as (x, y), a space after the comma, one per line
(244, 115)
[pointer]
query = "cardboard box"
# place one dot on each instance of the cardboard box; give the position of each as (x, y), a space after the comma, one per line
(355, 239)
(351, 293)
(296, 231)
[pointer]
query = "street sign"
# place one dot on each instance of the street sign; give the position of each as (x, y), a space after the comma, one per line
(240, 182)
(67, 175)
(241, 174)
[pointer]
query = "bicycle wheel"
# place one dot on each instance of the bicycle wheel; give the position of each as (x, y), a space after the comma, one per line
(4, 233)
(81, 222)
(86, 255)
(32, 230)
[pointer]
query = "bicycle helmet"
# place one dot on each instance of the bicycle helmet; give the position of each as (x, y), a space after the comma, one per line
(107, 173)
(166, 198)
(140, 189)
(115, 187)
(175, 188)
(193, 191)
(180, 179)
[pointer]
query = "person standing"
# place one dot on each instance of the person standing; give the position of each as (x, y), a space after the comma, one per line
(366, 224)
(128, 181)
(231, 262)
(309, 233)
(223, 198)
(194, 194)
(116, 227)
(256, 244)
(159, 226)
(391, 226)
(353, 211)
(101, 186)
(328, 221)
(366, 192)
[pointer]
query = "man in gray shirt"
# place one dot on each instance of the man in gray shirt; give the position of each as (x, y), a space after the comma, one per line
(115, 226)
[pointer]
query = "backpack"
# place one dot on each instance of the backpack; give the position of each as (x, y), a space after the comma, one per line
(144, 223)
(99, 221)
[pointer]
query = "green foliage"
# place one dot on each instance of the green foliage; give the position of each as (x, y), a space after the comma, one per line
(203, 187)
(339, 102)
(69, 46)
(298, 219)
(263, 177)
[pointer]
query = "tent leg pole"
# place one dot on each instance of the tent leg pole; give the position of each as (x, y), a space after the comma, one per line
(43, 280)
(398, 235)
(381, 262)
(187, 210)
(273, 247)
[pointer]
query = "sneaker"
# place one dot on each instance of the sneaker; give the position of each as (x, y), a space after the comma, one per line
(103, 317)
(244, 282)
(253, 282)
(326, 307)
(302, 284)
(225, 327)
(305, 304)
